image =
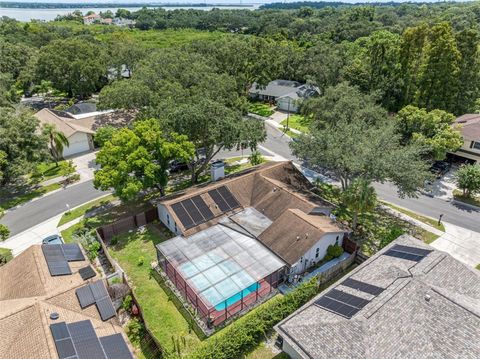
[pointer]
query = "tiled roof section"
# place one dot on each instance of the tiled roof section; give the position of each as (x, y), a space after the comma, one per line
(427, 309)
(469, 126)
(294, 233)
(271, 188)
(63, 124)
(28, 276)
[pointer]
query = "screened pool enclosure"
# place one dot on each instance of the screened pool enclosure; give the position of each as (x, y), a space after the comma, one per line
(220, 271)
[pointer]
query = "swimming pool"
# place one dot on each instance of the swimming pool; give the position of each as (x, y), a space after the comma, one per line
(237, 297)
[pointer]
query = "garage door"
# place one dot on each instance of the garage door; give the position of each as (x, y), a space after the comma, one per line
(78, 143)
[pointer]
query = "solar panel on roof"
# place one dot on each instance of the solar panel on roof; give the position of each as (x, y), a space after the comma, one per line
(203, 208)
(336, 307)
(363, 287)
(85, 340)
(219, 201)
(98, 290)
(72, 252)
(55, 258)
(87, 272)
(192, 211)
(228, 197)
(403, 255)
(105, 308)
(85, 296)
(65, 348)
(411, 250)
(115, 347)
(59, 331)
(182, 215)
(347, 298)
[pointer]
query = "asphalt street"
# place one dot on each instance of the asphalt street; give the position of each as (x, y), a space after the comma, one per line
(277, 143)
(38, 211)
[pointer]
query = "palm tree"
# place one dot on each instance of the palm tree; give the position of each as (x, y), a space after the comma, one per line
(359, 197)
(58, 141)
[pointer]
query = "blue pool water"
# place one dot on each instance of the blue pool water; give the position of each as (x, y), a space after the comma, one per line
(237, 297)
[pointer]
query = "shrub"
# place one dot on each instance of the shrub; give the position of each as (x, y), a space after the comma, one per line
(255, 158)
(92, 250)
(334, 251)
(5, 256)
(140, 261)
(113, 240)
(2, 212)
(73, 178)
(127, 302)
(135, 330)
(244, 334)
(468, 179)
(103, 135)
(4, 232)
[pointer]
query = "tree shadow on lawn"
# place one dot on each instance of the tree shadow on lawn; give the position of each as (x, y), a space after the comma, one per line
(155, 233)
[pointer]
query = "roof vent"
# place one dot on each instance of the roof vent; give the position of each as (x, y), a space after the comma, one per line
(298, 238)
(462, 121)
(54, 316)
(427, 297)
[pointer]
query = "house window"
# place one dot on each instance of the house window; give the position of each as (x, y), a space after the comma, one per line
(317, 252)
(476, 145)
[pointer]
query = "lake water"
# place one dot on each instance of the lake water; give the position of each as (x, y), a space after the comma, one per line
(51, 14)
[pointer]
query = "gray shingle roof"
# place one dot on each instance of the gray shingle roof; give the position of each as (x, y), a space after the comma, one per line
(429, 309)
(283, 88)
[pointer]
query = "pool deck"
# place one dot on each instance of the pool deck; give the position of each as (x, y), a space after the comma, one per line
(284, 288)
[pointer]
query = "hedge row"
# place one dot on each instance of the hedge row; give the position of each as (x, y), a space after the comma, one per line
(244, 335)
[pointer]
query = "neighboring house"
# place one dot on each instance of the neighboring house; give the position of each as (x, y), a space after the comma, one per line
(259, 227)
(82, 108)
(92, 18)
(46, 316)
(407, 301)
(287, 95)
(80, 137)
(469, 126)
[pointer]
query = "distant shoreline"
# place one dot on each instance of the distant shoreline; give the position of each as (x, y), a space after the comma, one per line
(83, 5)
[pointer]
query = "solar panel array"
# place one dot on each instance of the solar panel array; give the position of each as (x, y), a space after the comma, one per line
(79, 341)
(192, 212)
(96, 293)
(341, 303)
(57, 257)
(406, 252)
(87, 272)
(224, 199)
(363, 287)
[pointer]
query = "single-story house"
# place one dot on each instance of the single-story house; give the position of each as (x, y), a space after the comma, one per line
(469, 126)
(287, 95)
(80, 137)
(44, 314)
(406, 301)
(92, 18)
(256, 228)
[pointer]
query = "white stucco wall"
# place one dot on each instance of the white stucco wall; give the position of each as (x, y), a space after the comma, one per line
(310, 256)
(472, 153)
(78, 142)
(167, 220)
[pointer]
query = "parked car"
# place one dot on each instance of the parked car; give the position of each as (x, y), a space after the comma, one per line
(53, 239)
(177, 166)
(439, 168)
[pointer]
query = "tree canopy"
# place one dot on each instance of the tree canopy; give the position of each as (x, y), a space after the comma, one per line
(137, 159)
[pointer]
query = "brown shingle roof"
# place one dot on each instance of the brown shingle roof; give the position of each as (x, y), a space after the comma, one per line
(295, 232)
(63, 124)
(469, 126)
(28, 295)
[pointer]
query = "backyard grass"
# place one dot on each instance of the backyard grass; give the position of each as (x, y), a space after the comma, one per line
(427, 220)
(474, 201)
(25, 197)
(159, 312)
(49, 170)
(297, 122)
(80, 211)
(264, 352)
(260, 108)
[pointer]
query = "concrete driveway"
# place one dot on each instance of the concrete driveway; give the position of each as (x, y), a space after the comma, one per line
(443, 187)
(461, 243)
(85, 165)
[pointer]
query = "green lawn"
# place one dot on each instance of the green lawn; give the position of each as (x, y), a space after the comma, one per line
(297, 122)
(478, 266)
(49, 170)
(260, 108)
(264, 352)
(20, 199)
(67, 234)
(159, 311)
(427, 220)
(474, 201)
(80, 211)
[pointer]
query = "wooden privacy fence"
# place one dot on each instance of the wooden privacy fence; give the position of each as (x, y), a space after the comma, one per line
(126, 224)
